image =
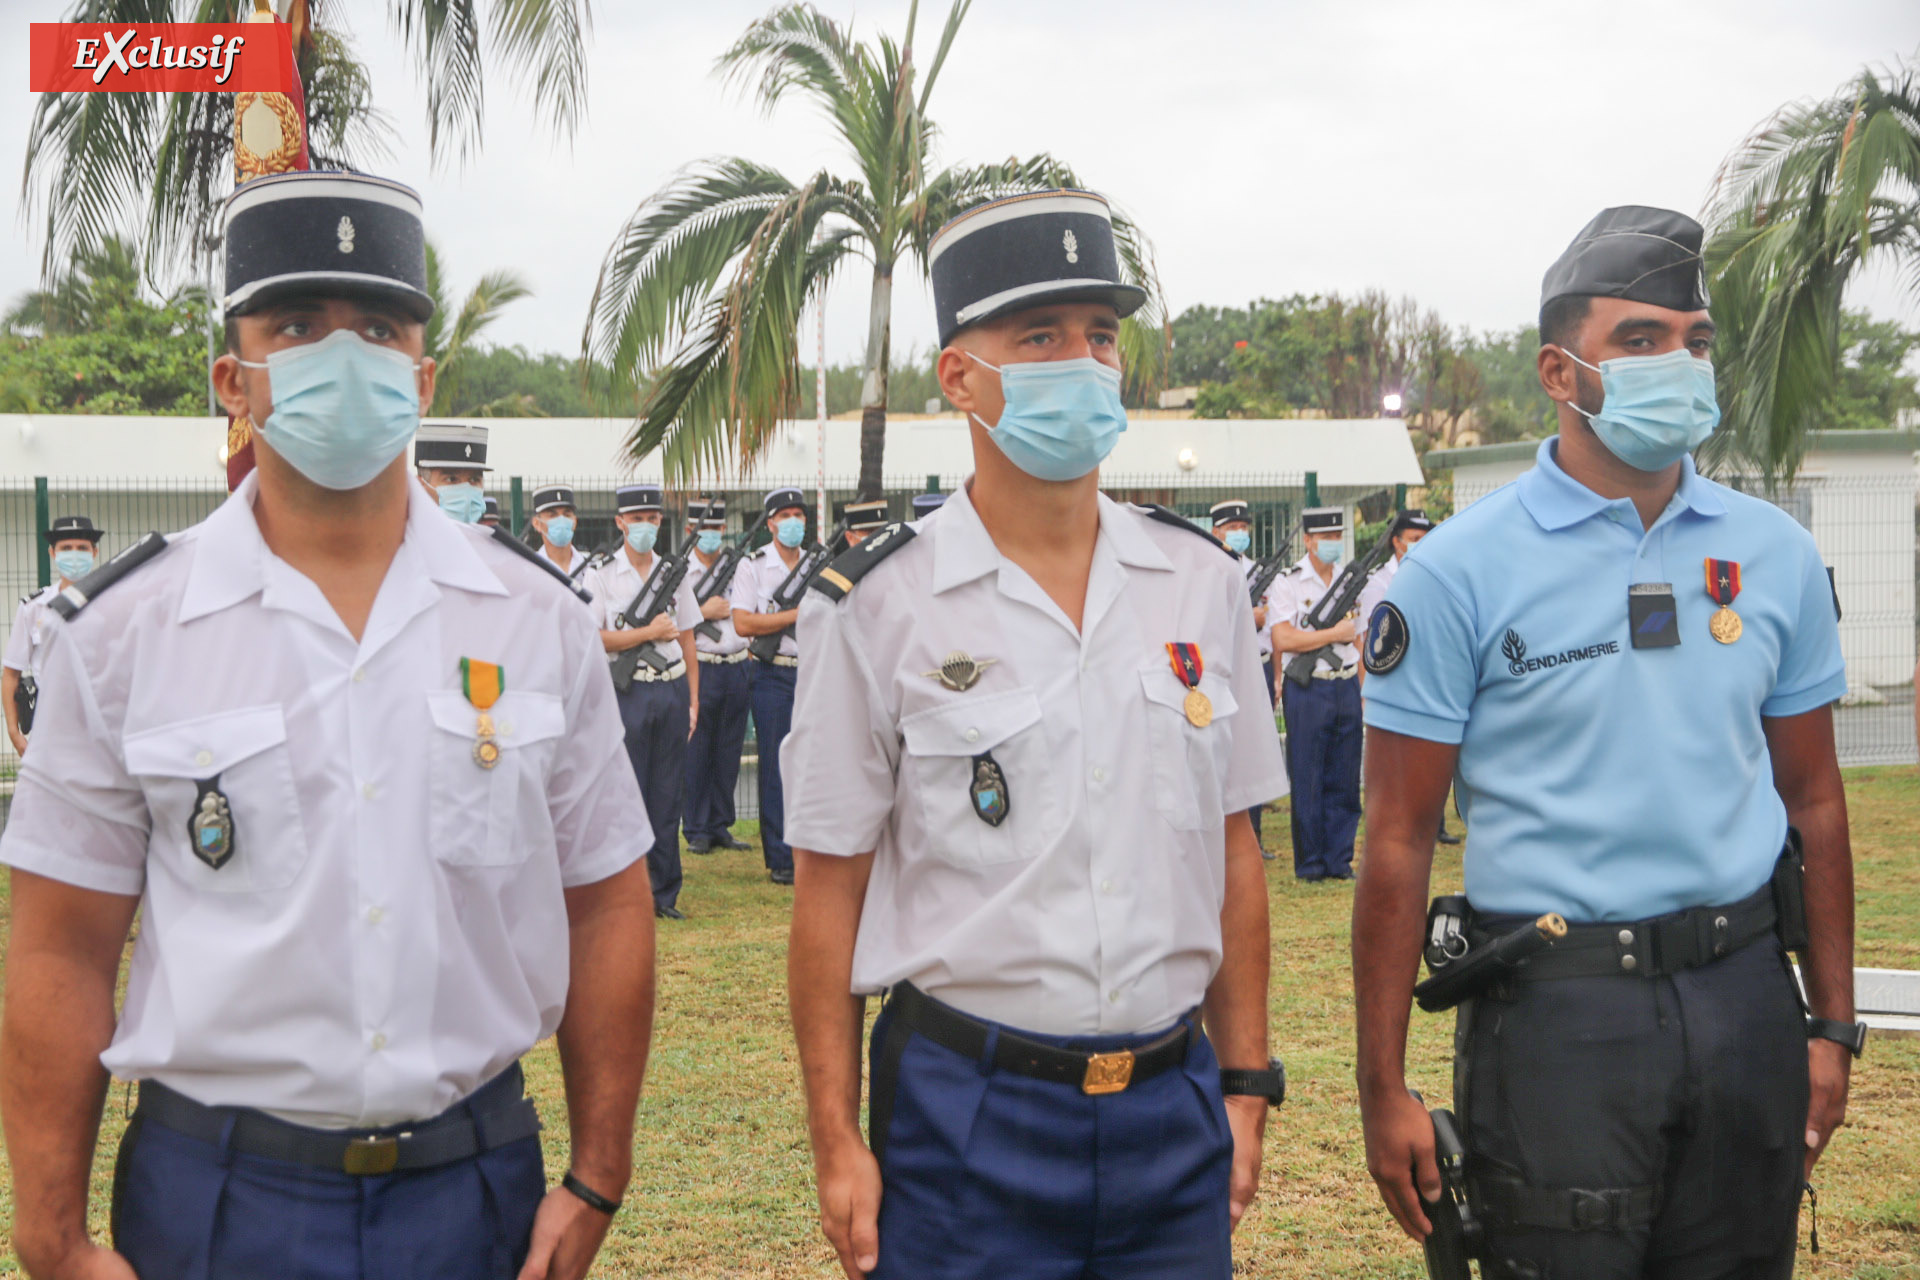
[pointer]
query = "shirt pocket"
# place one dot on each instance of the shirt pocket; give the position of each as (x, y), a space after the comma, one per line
(480, 817)
(1189, 762)
(941, 746)
(246, 750)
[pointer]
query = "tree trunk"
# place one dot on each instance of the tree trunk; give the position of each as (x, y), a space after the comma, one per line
(873, 391)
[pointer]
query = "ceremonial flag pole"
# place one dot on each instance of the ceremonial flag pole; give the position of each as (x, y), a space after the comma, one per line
(820, 417)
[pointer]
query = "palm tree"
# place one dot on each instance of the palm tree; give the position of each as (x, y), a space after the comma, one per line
(694, 323)
(1798, 209)
(91, 157)
(98, 279)
(449, 333)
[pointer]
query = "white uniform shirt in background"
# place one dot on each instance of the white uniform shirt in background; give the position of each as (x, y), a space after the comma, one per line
(1294, 593)
(389, 933)
(1095, 906)
(29, 632)
(754, 583)
(1376, 590)
(615, 584)
(730, 641)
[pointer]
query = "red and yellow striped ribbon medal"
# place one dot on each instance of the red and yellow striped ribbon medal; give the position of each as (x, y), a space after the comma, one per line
(1723, 584)
(482, 683)
(1188, 665)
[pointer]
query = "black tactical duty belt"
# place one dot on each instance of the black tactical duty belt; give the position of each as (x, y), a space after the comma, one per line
(1645, 948)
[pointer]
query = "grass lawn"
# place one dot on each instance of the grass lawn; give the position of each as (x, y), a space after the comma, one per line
(722, 1184)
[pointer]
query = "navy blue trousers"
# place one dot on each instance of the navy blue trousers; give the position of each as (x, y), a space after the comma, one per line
(187, 1210)
(772, 718)
(989, 1175)
(1323, 761)
(654, 716)
(713, 754)
(1259, 811)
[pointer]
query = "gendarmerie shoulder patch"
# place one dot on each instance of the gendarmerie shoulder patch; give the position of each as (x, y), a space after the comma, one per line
(855, 563)
(75, 597)
(1387, 640)
(505, 538)
(1154, 511)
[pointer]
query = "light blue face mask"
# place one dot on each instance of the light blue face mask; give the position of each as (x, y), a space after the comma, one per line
(1061, 418)
(641, 536)
(464, 502)
(1331, 551)
(560, 531)
(1657, 409)
(790, 531)
(73, 565)
(1238, 540)
(708, 540)
(343, 409)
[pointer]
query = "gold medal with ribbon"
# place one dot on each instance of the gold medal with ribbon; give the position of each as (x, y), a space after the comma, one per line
(482, 683)
(1723, 584)
(1188, 666)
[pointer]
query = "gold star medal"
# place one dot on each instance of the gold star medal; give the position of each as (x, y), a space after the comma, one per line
(1188, 666)
(482, 683)
(1723, 584)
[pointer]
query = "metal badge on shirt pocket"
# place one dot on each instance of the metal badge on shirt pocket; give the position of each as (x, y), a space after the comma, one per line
(991, 800)
(210, 831)
(1653, 620)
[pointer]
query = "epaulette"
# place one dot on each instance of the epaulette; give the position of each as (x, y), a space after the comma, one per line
(1154, 511)
(504, 536)
(75, 597)
(855, 563)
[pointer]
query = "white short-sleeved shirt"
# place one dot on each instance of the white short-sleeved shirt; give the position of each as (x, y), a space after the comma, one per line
(1095, 906)
(389, 932)
(615, 584)
(574, 568)
(1376, 589)
(1294, 594)
(754, 583)
(29, 632)
(1263, 636)
(730, 641)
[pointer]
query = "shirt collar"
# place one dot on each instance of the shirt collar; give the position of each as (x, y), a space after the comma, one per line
(1556, 500)
(963, 550)
(230, 557)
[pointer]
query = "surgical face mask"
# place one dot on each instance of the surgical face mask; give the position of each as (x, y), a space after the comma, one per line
(1238, 540)
(1061, 418)
(1655, 410)
(560, 531)
(641, 535)
(1331, 551)
(73, 565)
(790, 530)
(708, 540)
(343, 409)
(464, 502)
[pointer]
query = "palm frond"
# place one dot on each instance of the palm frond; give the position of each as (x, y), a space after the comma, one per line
(444, 38)
(544, 44)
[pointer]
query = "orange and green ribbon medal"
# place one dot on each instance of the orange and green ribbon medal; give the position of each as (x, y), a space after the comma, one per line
(1723, 584)
(482, 683)
(1188, 666)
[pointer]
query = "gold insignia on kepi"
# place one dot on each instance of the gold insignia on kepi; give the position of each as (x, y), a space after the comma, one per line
(960, 670)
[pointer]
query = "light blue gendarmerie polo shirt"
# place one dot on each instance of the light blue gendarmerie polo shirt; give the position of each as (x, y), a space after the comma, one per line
(1599, 780)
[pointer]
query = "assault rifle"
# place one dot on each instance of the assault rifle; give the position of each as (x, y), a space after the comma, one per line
(604, 555)
(716, 582)
(767, 647)
(1269, 569)
(1333, 606)
(654, 598)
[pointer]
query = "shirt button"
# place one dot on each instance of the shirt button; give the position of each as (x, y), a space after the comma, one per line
(1113, 997)
(971, 735)
(375, 915)
(379, 1040)
(1626, 937)
(203, 758)
(1099, 774)
(359, 675)
(367, 789)
(506, 728)
(1106, 886)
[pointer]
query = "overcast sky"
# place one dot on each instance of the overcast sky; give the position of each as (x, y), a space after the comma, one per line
(1446, 150)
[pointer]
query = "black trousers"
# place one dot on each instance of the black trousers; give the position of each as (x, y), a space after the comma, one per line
(1694, 1085)
(654, 716)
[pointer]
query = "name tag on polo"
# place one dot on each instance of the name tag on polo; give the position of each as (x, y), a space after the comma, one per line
(1653, 621)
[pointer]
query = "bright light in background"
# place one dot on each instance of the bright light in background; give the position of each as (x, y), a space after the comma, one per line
(1391, 402)
(1188, 460)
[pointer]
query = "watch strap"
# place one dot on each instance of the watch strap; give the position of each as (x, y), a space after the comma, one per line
(592, 1198)
(1851, 1034)
(1270, 1084)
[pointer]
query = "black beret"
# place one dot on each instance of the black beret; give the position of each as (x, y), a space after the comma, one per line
(1633, 252)
(325, 233)
(1011, 254)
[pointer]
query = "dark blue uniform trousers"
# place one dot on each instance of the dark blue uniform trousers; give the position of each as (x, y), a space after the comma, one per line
(713, 754)
(1259, 811)
(184, 1209)
(654, 715)
(772, 717)
(989, 1175)
(1323, 763)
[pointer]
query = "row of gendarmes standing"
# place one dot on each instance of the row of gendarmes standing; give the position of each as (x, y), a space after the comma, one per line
(359, 767)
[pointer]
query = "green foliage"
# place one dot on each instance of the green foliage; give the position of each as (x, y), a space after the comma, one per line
(1876, 383)
(510, 382)
(450, 334)
(910, 385)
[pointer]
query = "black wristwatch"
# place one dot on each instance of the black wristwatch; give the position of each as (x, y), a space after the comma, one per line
(592, 1198)
(1851, 1034)
(1270, 1084)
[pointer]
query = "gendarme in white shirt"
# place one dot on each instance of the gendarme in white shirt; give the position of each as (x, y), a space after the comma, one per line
(1376, 590)
(1095, 906)
(389, 933)
(754, 583)
(615, 584)
(30, 626)
(730, 641)
(1294, 594)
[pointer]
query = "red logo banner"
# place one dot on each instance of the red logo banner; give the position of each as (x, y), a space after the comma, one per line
(162, 57)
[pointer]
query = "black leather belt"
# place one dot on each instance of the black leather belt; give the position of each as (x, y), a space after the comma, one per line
(494, 1115)
(1645, 948)
(1092, 1073)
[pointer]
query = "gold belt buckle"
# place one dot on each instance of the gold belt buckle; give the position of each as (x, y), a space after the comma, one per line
(367, 1157)
(1108, 1073)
